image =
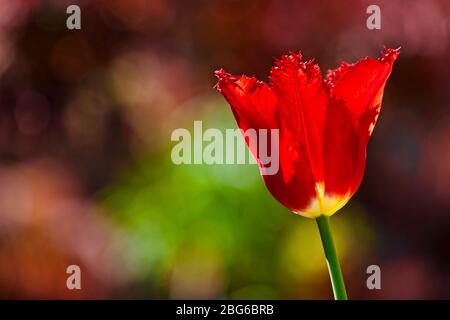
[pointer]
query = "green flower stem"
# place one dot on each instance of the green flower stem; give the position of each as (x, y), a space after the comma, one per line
(337, 280)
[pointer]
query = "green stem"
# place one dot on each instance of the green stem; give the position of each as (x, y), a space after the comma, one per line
(337, 280)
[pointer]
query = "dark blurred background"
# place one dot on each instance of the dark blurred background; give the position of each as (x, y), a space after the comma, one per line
(86, 176)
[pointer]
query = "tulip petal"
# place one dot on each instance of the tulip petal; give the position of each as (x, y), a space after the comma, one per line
(302, 101)
(344, 154)
(356, 92)
(252, 103)
(255, 106)
(361, 85)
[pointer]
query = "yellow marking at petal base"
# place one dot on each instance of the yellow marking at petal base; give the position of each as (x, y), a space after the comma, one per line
(323, 203)
(320, 194)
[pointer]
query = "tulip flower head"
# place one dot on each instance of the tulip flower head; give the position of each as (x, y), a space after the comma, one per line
(324, 125)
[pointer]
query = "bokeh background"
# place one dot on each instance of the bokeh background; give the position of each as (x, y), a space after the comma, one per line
(86, 176)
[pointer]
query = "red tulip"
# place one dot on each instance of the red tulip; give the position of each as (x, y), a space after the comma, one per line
(324, 126)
